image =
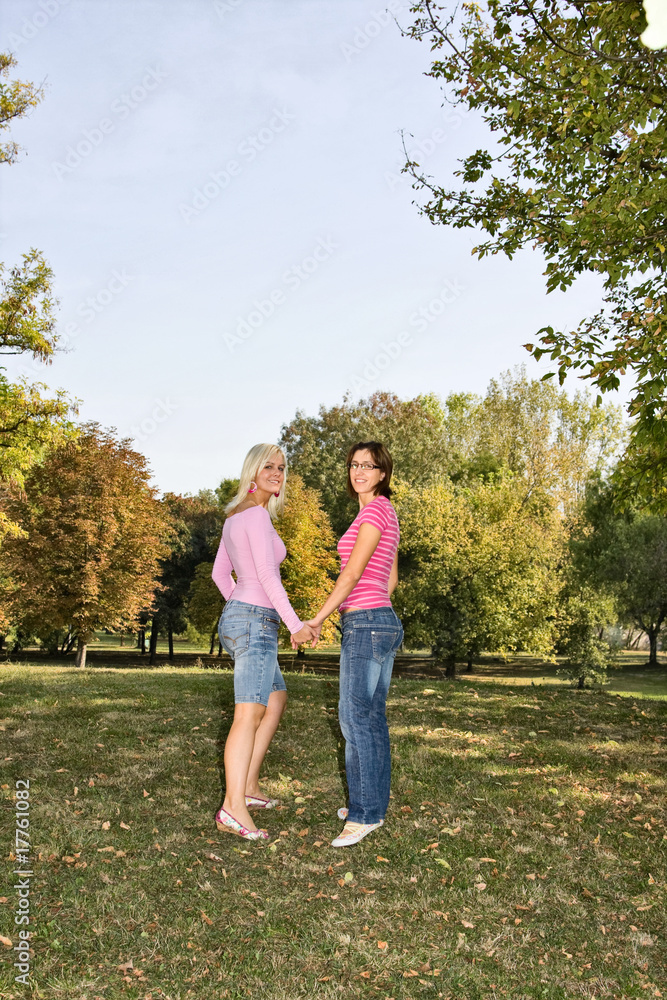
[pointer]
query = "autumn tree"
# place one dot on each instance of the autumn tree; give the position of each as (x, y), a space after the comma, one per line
(477, 568)
(575, 167)
(92, 535)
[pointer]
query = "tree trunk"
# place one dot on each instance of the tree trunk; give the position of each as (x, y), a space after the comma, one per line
(214, 636)
(141, 640)
(581, 684)
(469, 668)
(153, 644)
(2, 642)
(450, 667)
(81, 649)
(219, 649)
(122, 638)
(300, 653)
(653, 647)
(170, 637)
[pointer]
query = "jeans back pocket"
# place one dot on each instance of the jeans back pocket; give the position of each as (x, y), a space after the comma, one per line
(385, 640)
(234, 635)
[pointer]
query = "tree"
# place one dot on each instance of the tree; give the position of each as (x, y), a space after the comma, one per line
(316, 447)
(195, 533)
(311, 564)
(478, 567)
(625, 552)
(16, 100)
(92, 534)
(585, 615)
(29, 423)
(578, 170)
(205, 603)
(554, 442)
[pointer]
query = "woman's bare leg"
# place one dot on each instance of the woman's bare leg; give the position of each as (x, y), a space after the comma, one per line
(263, 737)
(239, 752)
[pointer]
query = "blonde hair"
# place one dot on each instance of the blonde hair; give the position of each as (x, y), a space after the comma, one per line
(254, 460)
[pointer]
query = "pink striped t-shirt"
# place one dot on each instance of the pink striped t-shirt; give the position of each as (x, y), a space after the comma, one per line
(372, 591)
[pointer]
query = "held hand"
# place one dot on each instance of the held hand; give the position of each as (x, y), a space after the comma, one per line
(317, 628)
(305, 634)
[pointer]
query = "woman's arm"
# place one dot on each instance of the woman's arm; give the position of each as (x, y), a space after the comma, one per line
(222, 572)
(364, 547)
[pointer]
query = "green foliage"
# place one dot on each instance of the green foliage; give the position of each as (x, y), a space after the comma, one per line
(29, 422)
(578, 170)
(477, 567)
(588, 654)
(204, 603)
(317, 447)
(16, 100)
(625, 552)
(196, 523)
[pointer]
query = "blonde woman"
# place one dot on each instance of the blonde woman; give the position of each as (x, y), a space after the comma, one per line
(248, 630)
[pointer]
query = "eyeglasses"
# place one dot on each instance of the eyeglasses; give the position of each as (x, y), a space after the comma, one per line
(366, 466)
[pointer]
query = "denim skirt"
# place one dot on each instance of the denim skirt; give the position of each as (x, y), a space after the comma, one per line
(249, 633)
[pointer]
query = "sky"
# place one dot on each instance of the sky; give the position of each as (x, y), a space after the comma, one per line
(217, 187)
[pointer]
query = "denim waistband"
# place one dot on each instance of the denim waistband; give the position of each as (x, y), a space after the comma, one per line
(251, 609)
(370, 615)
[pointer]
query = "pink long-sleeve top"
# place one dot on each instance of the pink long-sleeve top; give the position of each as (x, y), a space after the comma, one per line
(251, 546)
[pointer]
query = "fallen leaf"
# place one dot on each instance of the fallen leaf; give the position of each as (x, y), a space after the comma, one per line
(445, 864)
(126, 967)
(146, 794)
(480, 886)
(369, 892)
(207, 920)
(531, 877)
(101, 850)
(365, 975)
(380, 858)
(6, 941)
(490, 860)
(303, 833)
(106, 825)
(383, 945)
(466, 923)
(124, 826)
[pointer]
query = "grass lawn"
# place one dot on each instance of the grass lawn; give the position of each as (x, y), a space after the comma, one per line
(523, 853)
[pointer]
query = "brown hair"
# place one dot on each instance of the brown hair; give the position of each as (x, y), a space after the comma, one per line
(381, 457)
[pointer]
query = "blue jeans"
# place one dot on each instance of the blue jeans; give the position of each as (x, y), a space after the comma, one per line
(370, 640)
(249, 633)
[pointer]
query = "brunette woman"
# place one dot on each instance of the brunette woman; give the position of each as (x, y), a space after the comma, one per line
(372, 634)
